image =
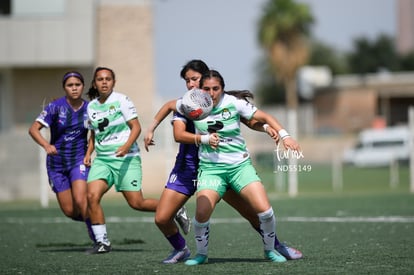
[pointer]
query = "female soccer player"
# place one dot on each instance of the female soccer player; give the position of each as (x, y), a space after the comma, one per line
(181, 183)
(66, 118)
(225, 163)
(114, 130)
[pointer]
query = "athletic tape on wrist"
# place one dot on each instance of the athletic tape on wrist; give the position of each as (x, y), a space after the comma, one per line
(205, 139)
(283, 134)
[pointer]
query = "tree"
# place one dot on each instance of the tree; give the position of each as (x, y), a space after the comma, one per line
(325, 55)
(268, 90)
(407, 61)
(283, 29)
(371, 56)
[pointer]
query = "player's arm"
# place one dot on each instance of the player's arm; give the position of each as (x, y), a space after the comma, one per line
(34, 132)
(162, 113)
(135, 127)
(261, 127)
(182, 136)
(91, 147)
(266, 118)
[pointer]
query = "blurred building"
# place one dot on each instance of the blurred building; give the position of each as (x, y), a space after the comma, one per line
(405, 26)
(43, 39)
(352, 102)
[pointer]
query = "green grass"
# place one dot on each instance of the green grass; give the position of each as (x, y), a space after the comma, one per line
(354, 180)
(34, 240)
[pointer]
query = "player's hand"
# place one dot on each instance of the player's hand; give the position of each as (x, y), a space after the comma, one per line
(148, 141)
(122, 151)
(87, 160)
(273, 134)
(214, 140)
(291, 143)
(51, 149)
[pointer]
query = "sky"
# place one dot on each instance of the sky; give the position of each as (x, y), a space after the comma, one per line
(223, 33)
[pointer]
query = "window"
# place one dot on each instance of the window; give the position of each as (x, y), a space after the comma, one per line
(388, 143)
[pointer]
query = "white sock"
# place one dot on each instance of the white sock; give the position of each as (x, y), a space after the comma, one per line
(202, 233)
(267, 228)
(100, 233)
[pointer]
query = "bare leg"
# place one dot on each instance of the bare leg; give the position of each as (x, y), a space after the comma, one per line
(169, 203)
(136, 201)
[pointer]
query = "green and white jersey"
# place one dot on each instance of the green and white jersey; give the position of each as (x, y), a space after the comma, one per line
(108, 121)
(224, 119)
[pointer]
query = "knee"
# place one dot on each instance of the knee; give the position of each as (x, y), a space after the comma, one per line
(161, 220)
(69, 212)
(80, 202)
(92, 198)
(137, 205)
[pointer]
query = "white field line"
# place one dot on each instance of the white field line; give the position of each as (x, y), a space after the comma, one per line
(112, 219)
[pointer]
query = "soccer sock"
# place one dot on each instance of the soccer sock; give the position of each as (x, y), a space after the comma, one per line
(177, 241)
(277, 242)
(90, 231)
(202, 232)
(267, 228)
(99, 230)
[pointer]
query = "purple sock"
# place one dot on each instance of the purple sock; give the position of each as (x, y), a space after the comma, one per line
(90, 231)
(177, 241)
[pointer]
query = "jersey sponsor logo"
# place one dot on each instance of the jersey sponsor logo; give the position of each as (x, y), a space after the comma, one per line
(214, 126)
(102, 124)
(107, 139)
(82, 169)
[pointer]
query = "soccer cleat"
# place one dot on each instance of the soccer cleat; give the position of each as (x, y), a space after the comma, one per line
(274, 256)
(183, 220)
(289, 253)
(100, 248)
(177, 256)
(198, 259)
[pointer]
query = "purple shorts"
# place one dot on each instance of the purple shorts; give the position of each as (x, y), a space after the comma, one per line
(182, 182)
(61, 180)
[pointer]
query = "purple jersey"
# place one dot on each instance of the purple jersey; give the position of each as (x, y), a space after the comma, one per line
(68, 133)
(184, 174)
(187, 157)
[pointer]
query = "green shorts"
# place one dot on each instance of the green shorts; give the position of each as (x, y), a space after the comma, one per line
(221, 179)
(124, 173)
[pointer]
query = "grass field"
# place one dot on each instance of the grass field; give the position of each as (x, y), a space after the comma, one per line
(368, 228)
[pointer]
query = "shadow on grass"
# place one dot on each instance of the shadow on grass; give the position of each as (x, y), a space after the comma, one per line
(85, 250)
(82, 247)
(235, 260)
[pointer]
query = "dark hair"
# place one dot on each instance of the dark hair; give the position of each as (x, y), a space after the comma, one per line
(195, 65)
(72, 74)
(212, 74)
(93, 92)
(240, 94)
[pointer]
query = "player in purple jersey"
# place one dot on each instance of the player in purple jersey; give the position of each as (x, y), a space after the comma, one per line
(66, 118)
